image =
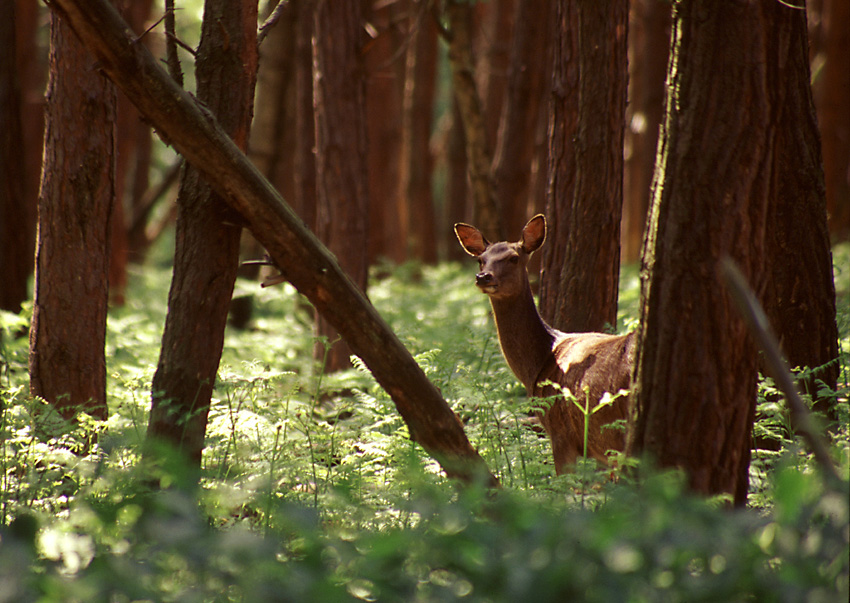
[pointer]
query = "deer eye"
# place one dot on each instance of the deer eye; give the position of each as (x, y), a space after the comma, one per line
(514, 259)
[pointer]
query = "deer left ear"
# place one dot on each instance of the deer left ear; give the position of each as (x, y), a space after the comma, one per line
(534, 234)
(471, 239)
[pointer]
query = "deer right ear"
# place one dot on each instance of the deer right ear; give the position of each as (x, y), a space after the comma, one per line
(471, 239)
(534, 234)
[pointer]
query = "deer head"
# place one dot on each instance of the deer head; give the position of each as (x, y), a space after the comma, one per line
(502, 266)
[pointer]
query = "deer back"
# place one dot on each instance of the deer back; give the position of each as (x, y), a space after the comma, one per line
(587, 365)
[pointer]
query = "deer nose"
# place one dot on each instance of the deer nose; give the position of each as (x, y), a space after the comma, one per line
(483, 279)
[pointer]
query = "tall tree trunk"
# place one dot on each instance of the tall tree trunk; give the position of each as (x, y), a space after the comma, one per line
(649, 41)
(563, 125)
(493, 44)
(68, 331)
(478, 151)
(15, 256)
(339, 99)
(208, 231)
(416, 162)
(305, 123)
(128, 129)
(834, 113)
(527, 81)
(23, 72)
(589, 278)
(384, 70)
(272, 140)
(799, 297)
(722, 144)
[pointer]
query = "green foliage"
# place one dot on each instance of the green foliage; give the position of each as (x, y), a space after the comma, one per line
(312, 490)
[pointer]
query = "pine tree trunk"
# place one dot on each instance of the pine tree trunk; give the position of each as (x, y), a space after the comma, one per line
(68, 331)
(342, 200)
(208, 232)
(695, 384)
(563, 125)
(416, 162)
(649, 38)
(527, 82)
(799, 297)
(589, 277)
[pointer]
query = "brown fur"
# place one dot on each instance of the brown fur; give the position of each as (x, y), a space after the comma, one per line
(536, 353)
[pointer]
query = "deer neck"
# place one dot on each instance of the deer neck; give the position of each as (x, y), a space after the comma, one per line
(525, 339)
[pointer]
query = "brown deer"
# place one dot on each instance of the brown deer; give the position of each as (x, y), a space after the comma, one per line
(584, 364)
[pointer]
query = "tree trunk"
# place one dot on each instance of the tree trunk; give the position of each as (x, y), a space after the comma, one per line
(339, 95)
(649, 39)
(478, 153)
(833, 86)
(416, 162)
(563, 125)
(695, 384)
(23, 87)
(208, 232)
(305, 123)
(493, 44)
(527, 80)
(68, 331)
(384, 72)
(589, 278)
(309, 266)
(272, 141)
(799, 297)
(15, 259)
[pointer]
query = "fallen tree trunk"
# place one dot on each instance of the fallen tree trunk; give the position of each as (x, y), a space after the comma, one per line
(304, 261)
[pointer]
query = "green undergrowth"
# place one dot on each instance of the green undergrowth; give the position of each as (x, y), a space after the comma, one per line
(311, 489)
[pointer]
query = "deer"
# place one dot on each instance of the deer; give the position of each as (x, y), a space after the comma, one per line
(552, 365)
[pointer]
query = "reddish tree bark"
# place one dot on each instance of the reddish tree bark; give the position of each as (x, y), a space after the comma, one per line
(737, 74)
(589, 278)
(68, 331)
(799, 297)
(833, 88)
(528, 76)
(649, 41)
(416, 162)
(479, 155)
(15, 261)
(339, 99)
(208, 233)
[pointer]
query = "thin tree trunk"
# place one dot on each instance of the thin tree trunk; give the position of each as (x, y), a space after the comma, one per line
(478, 153)
(834, 114)
(649, 39)
(527, 81)
(563, 125)
(309, 266)
(383, 64)
(15, 256)
(68, 331)
(343, 206)
(305, 123)
(493, 44)
(208, 232)
(417, 163)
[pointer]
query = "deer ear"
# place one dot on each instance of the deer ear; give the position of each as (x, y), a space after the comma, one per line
(534, 234)
(471, 239)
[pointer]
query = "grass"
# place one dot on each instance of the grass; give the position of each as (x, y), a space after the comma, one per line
(312, 492)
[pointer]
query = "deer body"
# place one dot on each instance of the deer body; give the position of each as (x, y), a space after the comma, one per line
(585, 364)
